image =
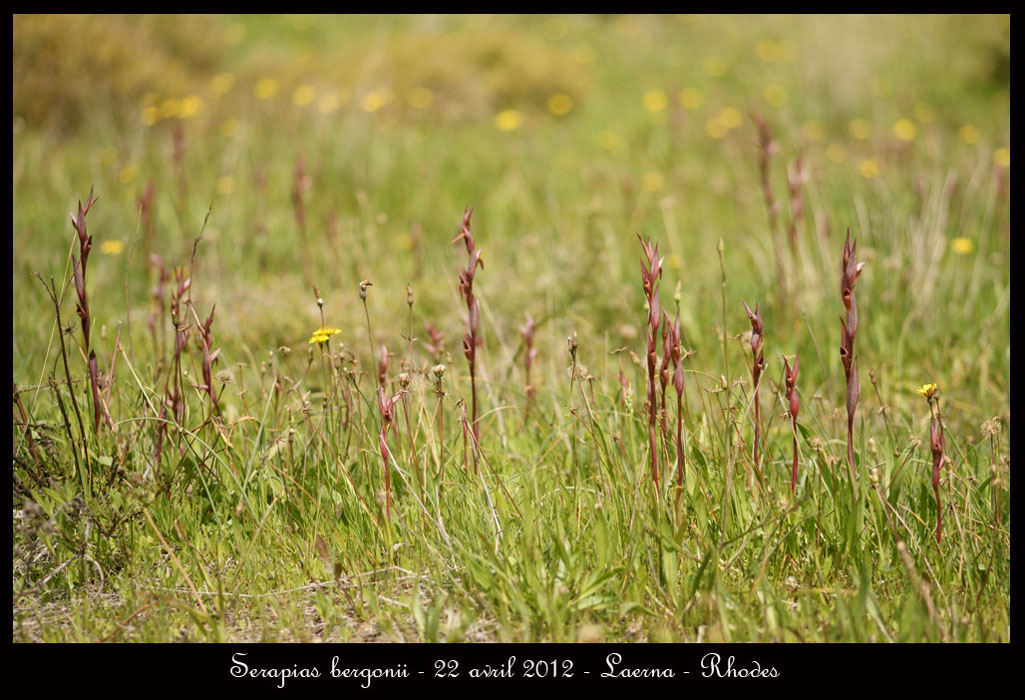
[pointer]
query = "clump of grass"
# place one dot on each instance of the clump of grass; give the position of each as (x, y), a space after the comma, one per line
(849, 274)
(472, 338)
(757, 366)
(651, 274)
(794, 404)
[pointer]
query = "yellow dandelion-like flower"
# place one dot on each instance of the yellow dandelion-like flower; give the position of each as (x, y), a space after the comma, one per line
(420, 98)
(962, 245)
(868, 168)
(170, 108)
(775, 95)
(112, 247)
(609, 140)
(127, 174)
(969, 134)
(730, 117)
(655, 100)
(769, 50)
(321, 335)
(226, 185)
(653, 181)
(303, 95)
(330, 102)
(375, 100)
(1002, 157)
(691, 98)
(560, 104)
(715, 66)
(221, 83)
(190, 106)
(928, 390)
(508, 120)
(836, 153)
(860, 129)
(266, 88)
(904, 129)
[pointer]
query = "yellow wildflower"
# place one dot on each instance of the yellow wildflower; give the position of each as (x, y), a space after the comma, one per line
(226, 185)
(655, 100)
(962, 245)
(560, 104)
(730, 117)
(653, 181)
(303, 95)
(112, 247)
(508, 120)
(1002, 157)
(904, 129)
(266, 88)
(969, 134)
(375, 100)
(170, 108)
(868, 168)
(190, 106)
(928, 390)
(321, 335)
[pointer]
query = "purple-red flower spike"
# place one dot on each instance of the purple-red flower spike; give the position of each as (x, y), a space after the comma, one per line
(757, 365)
(849, 273)
(790, 379)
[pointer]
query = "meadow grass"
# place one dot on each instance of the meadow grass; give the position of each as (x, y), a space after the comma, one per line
(284, 436)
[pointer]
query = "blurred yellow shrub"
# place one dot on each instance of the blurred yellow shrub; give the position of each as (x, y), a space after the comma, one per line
(68, 68)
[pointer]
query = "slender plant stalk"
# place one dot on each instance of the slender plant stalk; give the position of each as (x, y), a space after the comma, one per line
(651, 274)
(850, 272)
(472, 340)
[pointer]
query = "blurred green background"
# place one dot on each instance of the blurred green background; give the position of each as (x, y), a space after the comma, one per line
(569, 135)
